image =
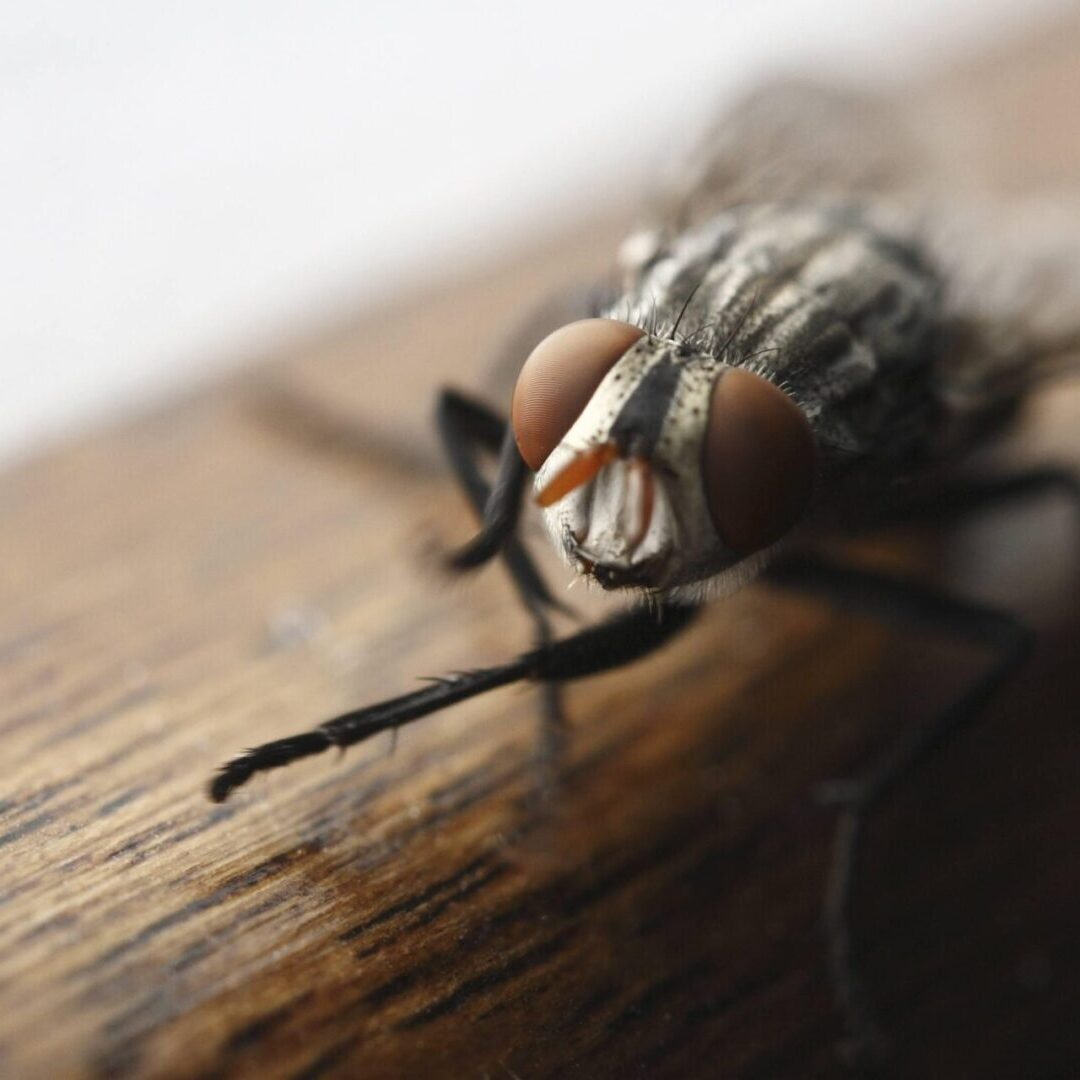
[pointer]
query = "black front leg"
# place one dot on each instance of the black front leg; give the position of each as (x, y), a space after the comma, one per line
(466, 427)
(619, 640)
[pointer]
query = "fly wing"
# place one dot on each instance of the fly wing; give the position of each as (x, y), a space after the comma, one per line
(1012, 273)
(1011, 266)
(791, 139)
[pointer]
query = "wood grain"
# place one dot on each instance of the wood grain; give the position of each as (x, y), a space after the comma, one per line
(196, 580)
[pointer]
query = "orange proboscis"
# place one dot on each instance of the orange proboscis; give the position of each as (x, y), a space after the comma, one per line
(579, 471)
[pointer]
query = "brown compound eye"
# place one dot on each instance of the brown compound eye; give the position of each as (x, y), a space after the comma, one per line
(559, 377)
(758, 459)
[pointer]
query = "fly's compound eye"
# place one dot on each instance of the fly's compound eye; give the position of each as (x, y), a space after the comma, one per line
(559, 377)
(759, 461)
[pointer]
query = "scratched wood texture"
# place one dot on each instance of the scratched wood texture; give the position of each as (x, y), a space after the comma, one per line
(182, 585)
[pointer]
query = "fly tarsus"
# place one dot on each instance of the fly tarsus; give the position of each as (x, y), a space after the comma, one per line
(618, 640)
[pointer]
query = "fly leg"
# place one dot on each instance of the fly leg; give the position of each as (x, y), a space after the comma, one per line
(466, 426)
(621, 639)
(967, 495)
(1003, 636)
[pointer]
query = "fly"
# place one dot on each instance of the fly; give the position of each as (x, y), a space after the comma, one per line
(810, 325)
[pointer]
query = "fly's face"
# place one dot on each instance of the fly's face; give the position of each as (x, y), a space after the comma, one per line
(657, 465)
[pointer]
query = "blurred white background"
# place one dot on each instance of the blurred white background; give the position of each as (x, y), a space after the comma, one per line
(183, 184)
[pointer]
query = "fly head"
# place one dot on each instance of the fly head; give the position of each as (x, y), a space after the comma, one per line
(657, 465)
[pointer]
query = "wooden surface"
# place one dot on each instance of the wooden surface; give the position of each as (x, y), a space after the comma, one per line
(192, 582)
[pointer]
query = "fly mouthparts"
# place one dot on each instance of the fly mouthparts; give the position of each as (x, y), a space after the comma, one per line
(583, 468)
